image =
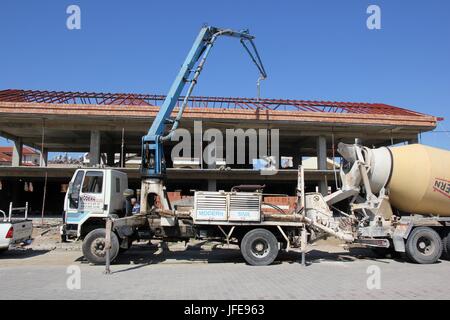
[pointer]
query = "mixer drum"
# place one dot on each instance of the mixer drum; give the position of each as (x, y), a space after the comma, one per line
(420, 180)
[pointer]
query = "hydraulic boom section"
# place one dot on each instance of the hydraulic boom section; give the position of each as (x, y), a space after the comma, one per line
(153, 164)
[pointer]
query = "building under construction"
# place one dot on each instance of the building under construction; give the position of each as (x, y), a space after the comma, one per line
(109, 127)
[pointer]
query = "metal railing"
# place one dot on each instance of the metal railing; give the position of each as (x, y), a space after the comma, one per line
(12, 209)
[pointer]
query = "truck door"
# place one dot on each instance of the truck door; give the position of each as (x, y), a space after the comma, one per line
(114, 195)
(92, 198)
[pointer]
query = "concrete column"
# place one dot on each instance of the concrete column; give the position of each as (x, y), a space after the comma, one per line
(322, 163)
(123, 156)
(17, 188)
(94, 151)
(44, 158)
(296, 159)
(212, 183)
(110, 157)
(17, 153)
(293, 152)
(414, 140)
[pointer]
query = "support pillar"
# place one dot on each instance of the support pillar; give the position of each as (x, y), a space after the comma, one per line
(296, 157)
(44, 158)
(414, 140)
(211, 162)
(17, 153)
(212, 183)
(17, 188)
(322, 163)
(94, 151)
(110, 157)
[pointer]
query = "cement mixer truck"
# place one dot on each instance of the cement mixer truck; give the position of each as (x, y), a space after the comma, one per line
(398, 198)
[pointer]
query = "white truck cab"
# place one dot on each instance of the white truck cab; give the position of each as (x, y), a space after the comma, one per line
(93, 195)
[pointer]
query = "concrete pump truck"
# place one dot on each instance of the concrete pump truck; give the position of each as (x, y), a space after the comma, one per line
(397, 198)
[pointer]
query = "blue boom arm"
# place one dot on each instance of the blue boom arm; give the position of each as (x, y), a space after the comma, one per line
(153, 163)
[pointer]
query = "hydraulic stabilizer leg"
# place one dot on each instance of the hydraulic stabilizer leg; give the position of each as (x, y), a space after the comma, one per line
(304, 243)
(108, 246)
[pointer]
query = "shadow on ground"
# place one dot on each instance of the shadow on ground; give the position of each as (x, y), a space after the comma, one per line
(141, 255)
(21, 253)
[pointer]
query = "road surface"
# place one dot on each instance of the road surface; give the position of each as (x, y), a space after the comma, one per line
(152, 272)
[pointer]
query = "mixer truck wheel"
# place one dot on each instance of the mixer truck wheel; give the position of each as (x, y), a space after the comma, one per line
(446, 245)
(424, 246)
(259, 247)
(94, 246)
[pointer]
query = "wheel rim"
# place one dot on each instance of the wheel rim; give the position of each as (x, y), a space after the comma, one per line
(425, 246)
(260, 248)
(98, 247)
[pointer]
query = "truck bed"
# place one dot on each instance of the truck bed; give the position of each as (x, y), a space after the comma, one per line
(22, 231)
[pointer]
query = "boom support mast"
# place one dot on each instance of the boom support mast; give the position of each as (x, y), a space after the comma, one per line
(153, 164)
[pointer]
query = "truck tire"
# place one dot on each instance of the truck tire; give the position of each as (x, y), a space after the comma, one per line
(94, 246)
(64, 238)
(424, 246)
(446, 246)
(259, 247)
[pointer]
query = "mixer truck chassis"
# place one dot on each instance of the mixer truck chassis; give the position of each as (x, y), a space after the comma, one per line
(423, 240)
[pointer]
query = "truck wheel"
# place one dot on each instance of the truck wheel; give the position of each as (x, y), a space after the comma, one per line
(424, 246)
(64, 238)
(94, 246)
(446, 246)
(259, 247)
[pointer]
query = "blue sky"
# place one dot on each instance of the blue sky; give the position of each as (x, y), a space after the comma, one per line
(311, 49)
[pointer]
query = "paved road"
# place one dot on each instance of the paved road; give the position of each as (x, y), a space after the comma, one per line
(218, 274)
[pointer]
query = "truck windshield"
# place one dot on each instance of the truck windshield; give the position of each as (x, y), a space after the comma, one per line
(93, 182)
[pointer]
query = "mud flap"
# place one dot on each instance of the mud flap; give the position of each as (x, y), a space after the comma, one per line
(400, 234)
